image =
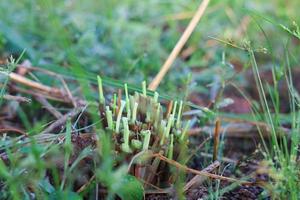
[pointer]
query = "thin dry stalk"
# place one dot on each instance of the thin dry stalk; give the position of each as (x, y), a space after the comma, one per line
(197, 180)
(151, 185)
(39, 93)
(48, 106)
(16, 98)
(169, 190)
(83, 187)
(62, 120)
(216, 139)
(48, 92)
(201, 173)
(60, 98)
(24, 68)
(197, 149)
(169, 109)
(153, 168)
(223, 159)
(39, 69)
(119, 101)
(68, 92)
(35, 85)
(178, 47)
(15, 130)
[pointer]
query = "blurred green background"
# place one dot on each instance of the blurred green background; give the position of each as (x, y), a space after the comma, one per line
(129, 40)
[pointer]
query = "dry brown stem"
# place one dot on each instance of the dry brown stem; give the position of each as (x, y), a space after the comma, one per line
(198, 180)
(61, 121)
(200, 173)
(48, 106)
(178, 47)
(216, 139)
(32, 84)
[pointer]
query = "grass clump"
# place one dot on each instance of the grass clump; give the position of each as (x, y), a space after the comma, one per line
(148, 127)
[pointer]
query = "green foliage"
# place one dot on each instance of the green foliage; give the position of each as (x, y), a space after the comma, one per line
(295, 31)
(68, 195)
(10, 67)
(131, 188)
(282, 162)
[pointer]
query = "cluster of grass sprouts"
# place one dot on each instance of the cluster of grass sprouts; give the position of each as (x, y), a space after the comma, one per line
(140, 123)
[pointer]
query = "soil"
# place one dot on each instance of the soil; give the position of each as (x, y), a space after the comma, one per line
(245, 166)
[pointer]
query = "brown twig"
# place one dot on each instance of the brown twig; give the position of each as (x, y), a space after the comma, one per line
(83, 187)
(40, 93)
(3, 130)
(31, 68)
(216, 139)
(60, 98)
(169, 190)
(169, 109)
(16, 98)
(62, 120)
(119, 101)
(35, 85)
(178, 47)
(48, 106)
(47, 91)
(198, 179)
(201, 173)
(197, 149)
(153, 168)
(50, 73)
(151, 185)
(68, 92)
(26, 64)
(223, 159)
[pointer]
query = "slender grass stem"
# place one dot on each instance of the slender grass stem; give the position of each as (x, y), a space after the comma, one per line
(119, 116)
(134, 112)
(171, 148)
(125, 145)
(147, 135)
(114, 104)
(127, 102)
(185, 130)
(109, 118)
(178, 122)
(157, 116)
(144, 87)
(155, 98)
(167, 129)
(100, 88)
(174, 108)
(264, 100)
(169, 126)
